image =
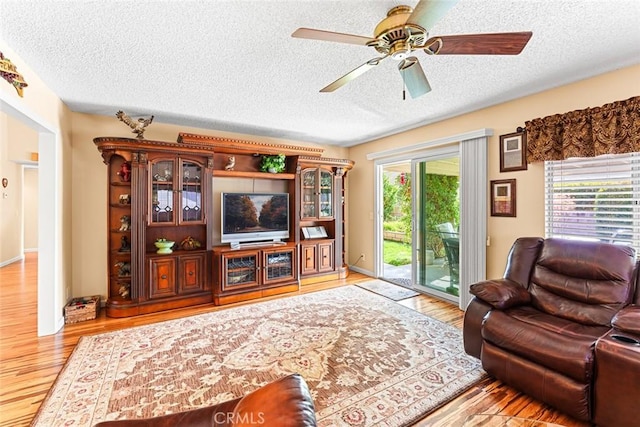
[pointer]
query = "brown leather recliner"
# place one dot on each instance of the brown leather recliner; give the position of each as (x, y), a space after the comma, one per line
(617, 378)
(283, 403)
(536, 329)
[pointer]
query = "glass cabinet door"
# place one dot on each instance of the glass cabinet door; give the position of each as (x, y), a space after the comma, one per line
(240, 270)
(317, 193)
(162, 191)
(191, 191)
(326, 194)
(278, 265)
(309, 193)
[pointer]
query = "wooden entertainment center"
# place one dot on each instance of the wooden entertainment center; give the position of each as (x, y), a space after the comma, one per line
(160, 190)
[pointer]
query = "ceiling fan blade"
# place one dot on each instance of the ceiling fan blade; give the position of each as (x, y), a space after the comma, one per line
(352, 74)
(428, 12)
(413, 76)
(310, 33)
(478, 44)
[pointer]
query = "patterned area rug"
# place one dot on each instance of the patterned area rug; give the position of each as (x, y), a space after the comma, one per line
(368, 361)
(387, 289)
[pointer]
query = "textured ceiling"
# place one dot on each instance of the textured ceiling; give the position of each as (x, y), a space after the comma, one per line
(233, 65)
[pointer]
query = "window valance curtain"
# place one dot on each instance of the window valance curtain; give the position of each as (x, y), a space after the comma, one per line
(610, 129)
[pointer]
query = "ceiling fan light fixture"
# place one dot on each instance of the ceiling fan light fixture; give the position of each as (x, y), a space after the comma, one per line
(414, 77)
(407, 63)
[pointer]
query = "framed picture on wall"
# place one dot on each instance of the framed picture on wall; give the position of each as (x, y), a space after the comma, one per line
(503, 197)
(513, 152)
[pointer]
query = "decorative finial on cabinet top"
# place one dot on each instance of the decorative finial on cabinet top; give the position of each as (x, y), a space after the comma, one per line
(138, 126)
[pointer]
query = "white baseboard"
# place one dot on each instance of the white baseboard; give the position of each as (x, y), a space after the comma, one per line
(31, 250)
(12, 260)
(59, 324)
(361, 270)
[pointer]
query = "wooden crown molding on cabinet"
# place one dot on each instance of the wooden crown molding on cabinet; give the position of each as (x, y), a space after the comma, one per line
(239, 146)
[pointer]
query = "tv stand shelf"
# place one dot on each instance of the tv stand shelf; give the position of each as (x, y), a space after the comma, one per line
(254, 175)
(250, 273)
(240, 246)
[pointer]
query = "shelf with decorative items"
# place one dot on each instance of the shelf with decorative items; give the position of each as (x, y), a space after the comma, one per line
(321, 223)
(251, 159)
(163, 192)
(253, 166)
(119, 223)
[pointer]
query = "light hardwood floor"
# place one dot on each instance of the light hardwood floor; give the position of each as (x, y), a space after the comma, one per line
(29, 365)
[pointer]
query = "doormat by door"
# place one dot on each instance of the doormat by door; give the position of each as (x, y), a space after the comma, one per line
(388, 290)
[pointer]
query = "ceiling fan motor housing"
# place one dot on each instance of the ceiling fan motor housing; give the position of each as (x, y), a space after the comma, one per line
(395, 37)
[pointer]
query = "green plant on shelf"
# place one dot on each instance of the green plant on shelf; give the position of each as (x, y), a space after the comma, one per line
(273, 163)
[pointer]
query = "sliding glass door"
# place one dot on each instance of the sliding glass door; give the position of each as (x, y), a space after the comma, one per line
(431, 215)
(396, 249)
(420, 222)
(436, 219)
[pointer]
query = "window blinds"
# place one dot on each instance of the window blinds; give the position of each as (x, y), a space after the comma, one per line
(594, 198)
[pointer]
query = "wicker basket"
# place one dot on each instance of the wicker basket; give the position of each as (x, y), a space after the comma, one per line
(81, 309)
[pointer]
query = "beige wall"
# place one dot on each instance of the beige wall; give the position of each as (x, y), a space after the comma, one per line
(9, 211)
(30, 214)
(503, 118)
(17, 141)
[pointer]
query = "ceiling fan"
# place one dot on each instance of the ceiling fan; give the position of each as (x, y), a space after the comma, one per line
(404, 31)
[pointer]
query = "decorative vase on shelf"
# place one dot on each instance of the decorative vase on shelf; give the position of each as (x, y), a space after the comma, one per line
(164, 246)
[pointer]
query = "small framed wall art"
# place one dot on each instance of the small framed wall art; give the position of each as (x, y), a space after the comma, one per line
(318, 232)
(513, 151)
(503, 197)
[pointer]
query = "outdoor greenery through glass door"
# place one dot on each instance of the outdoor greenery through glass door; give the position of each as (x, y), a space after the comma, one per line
(435, 243)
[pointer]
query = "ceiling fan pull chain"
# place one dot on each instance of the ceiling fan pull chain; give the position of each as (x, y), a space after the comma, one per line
(404, 87)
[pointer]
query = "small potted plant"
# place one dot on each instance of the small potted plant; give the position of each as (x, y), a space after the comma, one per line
(273, 163)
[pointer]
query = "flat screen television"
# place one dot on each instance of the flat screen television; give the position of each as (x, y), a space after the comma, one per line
(254, 217)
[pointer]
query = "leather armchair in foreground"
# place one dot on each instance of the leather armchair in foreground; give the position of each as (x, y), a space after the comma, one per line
(283, 403)
(537, 328)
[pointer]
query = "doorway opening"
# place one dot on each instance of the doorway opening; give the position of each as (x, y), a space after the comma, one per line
(51, 291)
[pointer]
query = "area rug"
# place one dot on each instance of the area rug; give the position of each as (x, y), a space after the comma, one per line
(368, 361)
(388, 290)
